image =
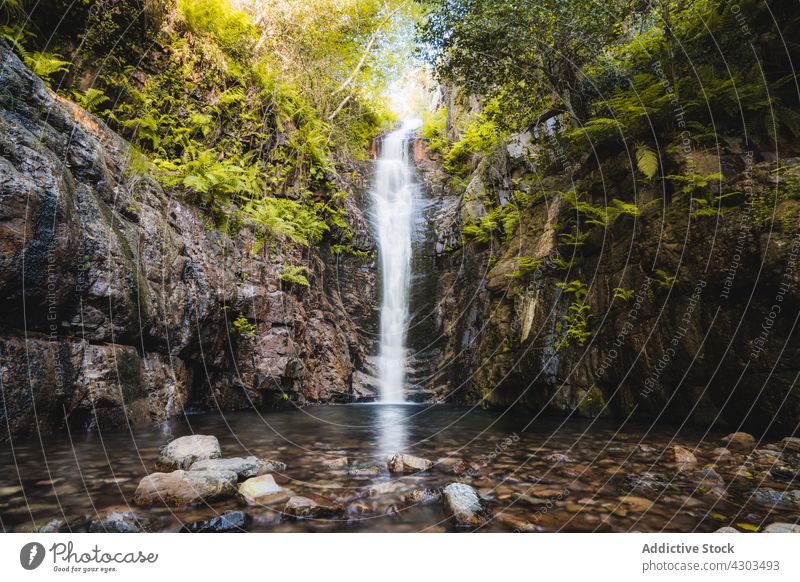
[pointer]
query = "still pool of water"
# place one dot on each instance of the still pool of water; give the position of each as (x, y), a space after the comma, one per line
(548, 475)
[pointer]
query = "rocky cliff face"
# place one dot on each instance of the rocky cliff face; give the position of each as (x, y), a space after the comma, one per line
(719, 346)
(117, 299)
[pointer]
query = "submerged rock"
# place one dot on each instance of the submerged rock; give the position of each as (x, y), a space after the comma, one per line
(180, 488)
(422, 496)
(558, 458)
(243, 467)
(463, 506)
(228, 522)
(364, 471)
(684, 457)
(305, 507)
(768, 496)
(400, 463)
(119, 522)
(263, 490)
(335, 463)
(183, 452)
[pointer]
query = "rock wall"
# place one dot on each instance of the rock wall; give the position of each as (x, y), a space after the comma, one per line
(719, 347)
(117, 298)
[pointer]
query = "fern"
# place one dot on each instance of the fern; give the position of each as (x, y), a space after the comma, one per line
(45, 65)
(294, 274)
(91, 100)
(623, 294)
(646, 160)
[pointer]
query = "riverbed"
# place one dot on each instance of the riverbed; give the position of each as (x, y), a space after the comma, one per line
(541, 475)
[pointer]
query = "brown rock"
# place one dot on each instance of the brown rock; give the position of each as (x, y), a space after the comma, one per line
(684, 457)
(305, 507)
(400, 463)
(180, 488)
(263, 490)
(740, 441)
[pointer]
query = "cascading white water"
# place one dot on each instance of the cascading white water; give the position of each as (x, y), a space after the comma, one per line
(393, 199)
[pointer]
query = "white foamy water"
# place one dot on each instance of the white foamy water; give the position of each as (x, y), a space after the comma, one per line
(393, 200)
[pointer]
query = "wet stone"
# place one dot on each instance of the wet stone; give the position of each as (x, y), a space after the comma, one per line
(183, 452)
(180, 488)
(463, 506)
(228, 522)
(422, 496)
(119, 522)
(299, 507)
(263, 490)
(401, 463)
(243, 467)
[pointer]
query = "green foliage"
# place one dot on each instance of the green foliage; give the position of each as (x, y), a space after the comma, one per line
(574, 330)
(664, 280)
(646, 160)
(244, 327)
(480, 136)
(525, 266)
(230, 28)
(623, 294)
(294, 274)
(434, 129)
(45, 65)
(285, 219)
(91, 100)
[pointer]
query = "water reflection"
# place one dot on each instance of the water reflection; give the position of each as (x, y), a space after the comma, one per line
(391, 422)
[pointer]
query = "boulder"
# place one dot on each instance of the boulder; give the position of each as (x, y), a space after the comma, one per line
(779, 527)
(791, 444)
(740, 441)
(463, 506)
(180, 488)
(400, 463)
(183, 452)
(243, 467)
(228, 522)
(263, 490)
(119, 522)
(305, 507)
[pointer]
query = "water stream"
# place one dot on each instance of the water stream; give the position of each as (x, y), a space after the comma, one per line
(393, 201)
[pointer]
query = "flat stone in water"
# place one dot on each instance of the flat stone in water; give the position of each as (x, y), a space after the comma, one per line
(263, 490)
(243, 467)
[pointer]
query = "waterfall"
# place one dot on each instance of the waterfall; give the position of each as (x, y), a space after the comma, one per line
(393, 201)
